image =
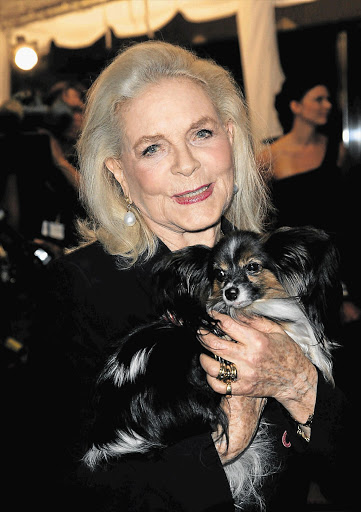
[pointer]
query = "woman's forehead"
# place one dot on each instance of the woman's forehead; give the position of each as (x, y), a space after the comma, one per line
(170, 102)
(167, 89)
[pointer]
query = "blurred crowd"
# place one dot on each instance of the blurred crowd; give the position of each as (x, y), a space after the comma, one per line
(38, 183)
(38, 198)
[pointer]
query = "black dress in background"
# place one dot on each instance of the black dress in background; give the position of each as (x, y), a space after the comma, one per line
(312, 198)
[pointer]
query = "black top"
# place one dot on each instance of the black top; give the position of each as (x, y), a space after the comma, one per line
(328, 199)
(311, 198)
(89, 302)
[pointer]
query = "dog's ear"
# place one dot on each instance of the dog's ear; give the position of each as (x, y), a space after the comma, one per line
(307, 263)
(180, 280)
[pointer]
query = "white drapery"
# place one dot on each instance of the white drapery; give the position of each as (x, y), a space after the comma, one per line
(262, 72)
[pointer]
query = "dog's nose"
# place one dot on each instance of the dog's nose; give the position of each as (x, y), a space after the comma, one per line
(231, 293)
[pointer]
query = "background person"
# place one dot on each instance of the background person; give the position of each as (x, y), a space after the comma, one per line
(304, 165)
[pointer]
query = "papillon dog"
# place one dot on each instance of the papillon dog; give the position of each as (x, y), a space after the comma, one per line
(153, 392)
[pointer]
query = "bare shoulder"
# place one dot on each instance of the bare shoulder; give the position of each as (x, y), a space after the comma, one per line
(270, 153)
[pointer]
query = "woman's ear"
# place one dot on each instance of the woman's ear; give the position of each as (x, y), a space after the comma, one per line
(229, 127)
(114, 166)
(295, 107)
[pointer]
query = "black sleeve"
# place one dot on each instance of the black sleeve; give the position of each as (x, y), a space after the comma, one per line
(328, 457)
(64, 354)
(185, 477)
(334, 444)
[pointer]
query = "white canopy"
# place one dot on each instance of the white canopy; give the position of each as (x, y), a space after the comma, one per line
(262, 72)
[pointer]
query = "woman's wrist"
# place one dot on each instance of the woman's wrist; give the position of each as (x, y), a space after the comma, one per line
(300, 403)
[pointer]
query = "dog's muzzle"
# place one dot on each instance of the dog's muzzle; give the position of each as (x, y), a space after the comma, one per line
(237, 296)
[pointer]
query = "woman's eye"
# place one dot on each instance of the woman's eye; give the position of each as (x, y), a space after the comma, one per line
(253, 267)
(204, 134)
(219, 274)
(321, 99)
(150, 150)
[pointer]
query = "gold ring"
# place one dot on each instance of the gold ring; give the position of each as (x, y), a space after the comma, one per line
(233, 372)
(222, 371)
(227, 370)
(229, 389)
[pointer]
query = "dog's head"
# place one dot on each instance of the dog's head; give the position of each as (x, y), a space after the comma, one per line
(240, 272)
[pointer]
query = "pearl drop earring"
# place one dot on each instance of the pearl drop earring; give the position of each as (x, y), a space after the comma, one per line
(235, 189)
(129, 217)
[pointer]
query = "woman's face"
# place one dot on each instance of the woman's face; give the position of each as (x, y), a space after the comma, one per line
(176, 163)
(315, 105)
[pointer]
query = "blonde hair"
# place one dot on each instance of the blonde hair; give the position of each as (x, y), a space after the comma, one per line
(133, 69)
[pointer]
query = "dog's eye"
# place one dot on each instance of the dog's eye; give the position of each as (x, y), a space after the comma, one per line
(253, 267)
(219, 274)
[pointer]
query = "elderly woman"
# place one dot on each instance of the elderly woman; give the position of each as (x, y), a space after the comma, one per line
(167, 162)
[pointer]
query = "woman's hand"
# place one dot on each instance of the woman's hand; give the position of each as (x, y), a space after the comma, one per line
(269, 364)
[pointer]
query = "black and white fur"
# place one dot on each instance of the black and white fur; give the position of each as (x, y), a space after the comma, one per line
(153, 392)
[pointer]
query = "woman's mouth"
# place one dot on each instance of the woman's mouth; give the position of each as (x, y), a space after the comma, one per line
(195, 196)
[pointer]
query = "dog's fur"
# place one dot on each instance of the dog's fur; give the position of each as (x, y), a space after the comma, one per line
(153, 391)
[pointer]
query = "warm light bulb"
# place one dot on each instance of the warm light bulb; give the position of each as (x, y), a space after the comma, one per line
(26, 58)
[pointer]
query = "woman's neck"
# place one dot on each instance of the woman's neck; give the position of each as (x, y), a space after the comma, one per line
(303, 133)
(175, 241)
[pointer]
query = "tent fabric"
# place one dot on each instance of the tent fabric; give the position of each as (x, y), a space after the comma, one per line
(129, 18)
(263, 75)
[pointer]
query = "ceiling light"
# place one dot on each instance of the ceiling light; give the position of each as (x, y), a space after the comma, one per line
(25, 57)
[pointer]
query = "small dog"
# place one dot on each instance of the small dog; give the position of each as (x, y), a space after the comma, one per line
(153, 391)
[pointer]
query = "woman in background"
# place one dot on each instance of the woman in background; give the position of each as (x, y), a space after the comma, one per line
(304, 165)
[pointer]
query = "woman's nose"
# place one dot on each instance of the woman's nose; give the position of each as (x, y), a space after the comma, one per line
(185, 162)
